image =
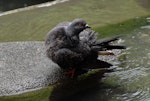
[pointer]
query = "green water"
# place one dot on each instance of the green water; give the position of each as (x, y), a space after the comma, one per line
(133, 71)
(131, 79)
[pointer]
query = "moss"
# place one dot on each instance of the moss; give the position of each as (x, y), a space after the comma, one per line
(121, 28)
(38, 95)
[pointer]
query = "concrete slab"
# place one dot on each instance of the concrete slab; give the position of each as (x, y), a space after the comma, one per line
(24, 66)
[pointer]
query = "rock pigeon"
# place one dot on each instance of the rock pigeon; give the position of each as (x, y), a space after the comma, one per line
(75, 48)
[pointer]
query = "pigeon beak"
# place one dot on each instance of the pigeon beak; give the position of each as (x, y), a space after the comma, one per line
(87, 26)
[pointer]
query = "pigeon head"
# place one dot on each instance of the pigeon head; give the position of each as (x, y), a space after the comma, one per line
(77, 26)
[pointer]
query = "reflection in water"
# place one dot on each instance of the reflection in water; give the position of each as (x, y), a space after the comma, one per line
(129, 82)
(74, 89)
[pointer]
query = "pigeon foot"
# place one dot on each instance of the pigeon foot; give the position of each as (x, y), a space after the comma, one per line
(70, 72)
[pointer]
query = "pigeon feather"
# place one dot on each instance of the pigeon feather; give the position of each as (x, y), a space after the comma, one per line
(73, 45)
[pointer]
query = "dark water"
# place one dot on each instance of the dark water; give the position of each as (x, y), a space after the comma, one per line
(6, 5)
(129, 82)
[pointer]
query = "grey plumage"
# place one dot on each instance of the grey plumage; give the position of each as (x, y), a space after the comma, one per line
(71, 46)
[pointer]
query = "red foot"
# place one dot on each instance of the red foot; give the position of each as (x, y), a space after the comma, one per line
(70, 72)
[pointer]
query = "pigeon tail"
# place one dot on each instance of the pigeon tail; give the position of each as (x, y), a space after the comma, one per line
(90, 37)
(106, 40)
(109, 47)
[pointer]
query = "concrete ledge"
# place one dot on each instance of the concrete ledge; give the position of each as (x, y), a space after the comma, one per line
(24, 66)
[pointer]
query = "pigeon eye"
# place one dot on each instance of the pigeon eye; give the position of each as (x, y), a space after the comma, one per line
(80, 24)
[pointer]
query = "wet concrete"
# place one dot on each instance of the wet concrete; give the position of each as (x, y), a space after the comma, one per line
(24, 66)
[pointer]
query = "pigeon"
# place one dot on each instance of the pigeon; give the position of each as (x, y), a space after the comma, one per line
(75, 47)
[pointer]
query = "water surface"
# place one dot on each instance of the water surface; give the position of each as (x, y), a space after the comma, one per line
(130, 80)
